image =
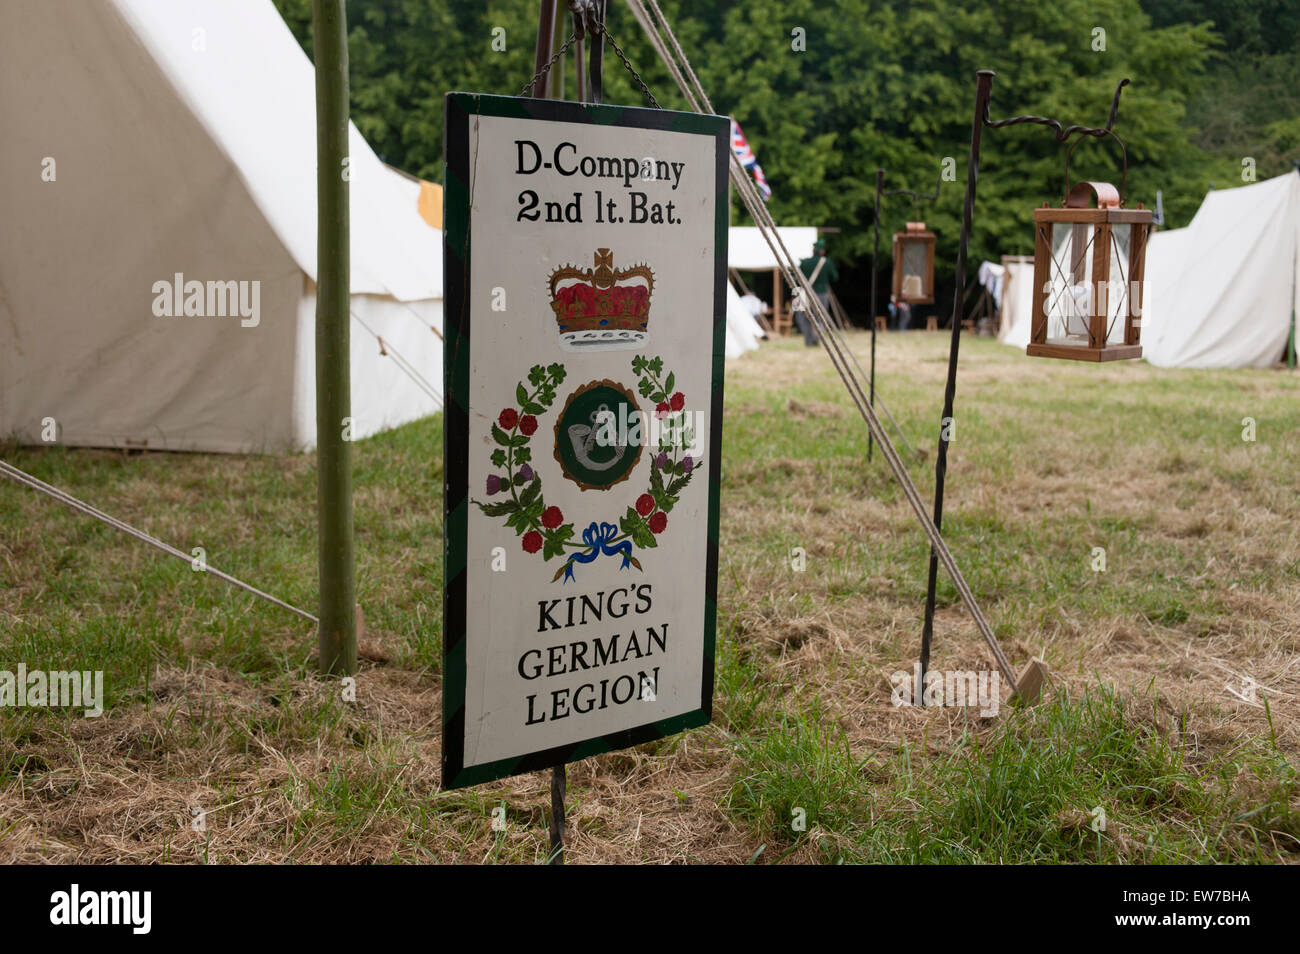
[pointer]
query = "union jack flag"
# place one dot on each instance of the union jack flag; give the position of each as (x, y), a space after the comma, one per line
(740, 146)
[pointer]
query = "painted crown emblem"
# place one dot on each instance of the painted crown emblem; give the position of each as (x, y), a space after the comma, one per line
(602, 308)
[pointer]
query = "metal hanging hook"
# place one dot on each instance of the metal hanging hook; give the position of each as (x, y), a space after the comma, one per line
(584, 17)
(918, 196)
(1066, 133)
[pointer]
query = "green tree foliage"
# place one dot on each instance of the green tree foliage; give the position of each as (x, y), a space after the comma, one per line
(877, 84)
(1249, 103)
(1248, 27)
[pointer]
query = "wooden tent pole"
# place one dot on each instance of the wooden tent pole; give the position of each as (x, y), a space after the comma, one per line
(875, 257)
(338, 634)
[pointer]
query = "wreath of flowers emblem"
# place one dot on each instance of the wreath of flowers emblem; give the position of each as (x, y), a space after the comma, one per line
(542, 527)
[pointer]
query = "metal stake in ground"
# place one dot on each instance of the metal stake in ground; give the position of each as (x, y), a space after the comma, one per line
(559, 782)
(983, 88)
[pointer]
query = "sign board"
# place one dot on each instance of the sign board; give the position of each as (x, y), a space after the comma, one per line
(585, 255)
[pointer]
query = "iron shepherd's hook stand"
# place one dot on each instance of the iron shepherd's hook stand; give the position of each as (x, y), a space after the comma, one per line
(983, 93)
(875, 268)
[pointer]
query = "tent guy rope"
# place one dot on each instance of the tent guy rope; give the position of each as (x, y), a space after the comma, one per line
(642, 17)
(836, 348)
(35, 483)
(404, 364)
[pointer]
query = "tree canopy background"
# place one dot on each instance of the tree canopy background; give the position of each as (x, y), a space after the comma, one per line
(889, 84)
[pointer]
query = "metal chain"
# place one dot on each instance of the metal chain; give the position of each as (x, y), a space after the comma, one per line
(654, 103)
(541, 74)
(597, 27)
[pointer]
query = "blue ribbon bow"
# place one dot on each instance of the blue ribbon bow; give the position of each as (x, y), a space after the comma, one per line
(598, 537)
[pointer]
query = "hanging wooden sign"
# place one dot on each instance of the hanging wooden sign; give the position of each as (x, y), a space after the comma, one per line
(584, 260)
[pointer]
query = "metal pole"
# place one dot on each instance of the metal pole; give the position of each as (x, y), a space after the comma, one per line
(983, 89)
(545, 26)
(579, 57)
(596, 64)
(338, 633)
(875, 267)
(555, 81)
(559, 782)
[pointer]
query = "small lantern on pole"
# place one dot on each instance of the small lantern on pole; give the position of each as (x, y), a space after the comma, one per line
(1088, 271)
(914, 265)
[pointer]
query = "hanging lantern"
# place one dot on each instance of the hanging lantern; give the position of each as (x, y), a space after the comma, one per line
(914, 265)
(1088, 271)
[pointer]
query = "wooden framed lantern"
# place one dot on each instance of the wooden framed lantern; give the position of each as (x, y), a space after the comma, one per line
(914, 265)
(1088, 270)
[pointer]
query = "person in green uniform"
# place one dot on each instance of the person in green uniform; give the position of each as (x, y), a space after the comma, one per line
(821, 271)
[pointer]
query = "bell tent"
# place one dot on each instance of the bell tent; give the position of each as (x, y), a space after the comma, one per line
(158, 260)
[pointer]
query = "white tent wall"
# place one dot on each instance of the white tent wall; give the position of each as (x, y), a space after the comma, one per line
(140, 193)
(1017, 301)
(254, 90)
(1164, 270)
(383, 395)
(1220, 293)
(748, 250)
(183, 134)
(743, 332)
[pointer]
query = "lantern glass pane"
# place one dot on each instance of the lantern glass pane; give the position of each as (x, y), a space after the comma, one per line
(1070, 284)
(914, 269)
(1119, 287)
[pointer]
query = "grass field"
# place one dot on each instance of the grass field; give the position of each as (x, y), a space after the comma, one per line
(212, 703)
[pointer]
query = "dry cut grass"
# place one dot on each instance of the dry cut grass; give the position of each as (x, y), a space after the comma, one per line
(1175, 669)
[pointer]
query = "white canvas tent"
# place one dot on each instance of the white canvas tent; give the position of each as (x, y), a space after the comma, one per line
(747, 250)
(1220, 293)
(150, 139)
(743, 332)
(1017, 300)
